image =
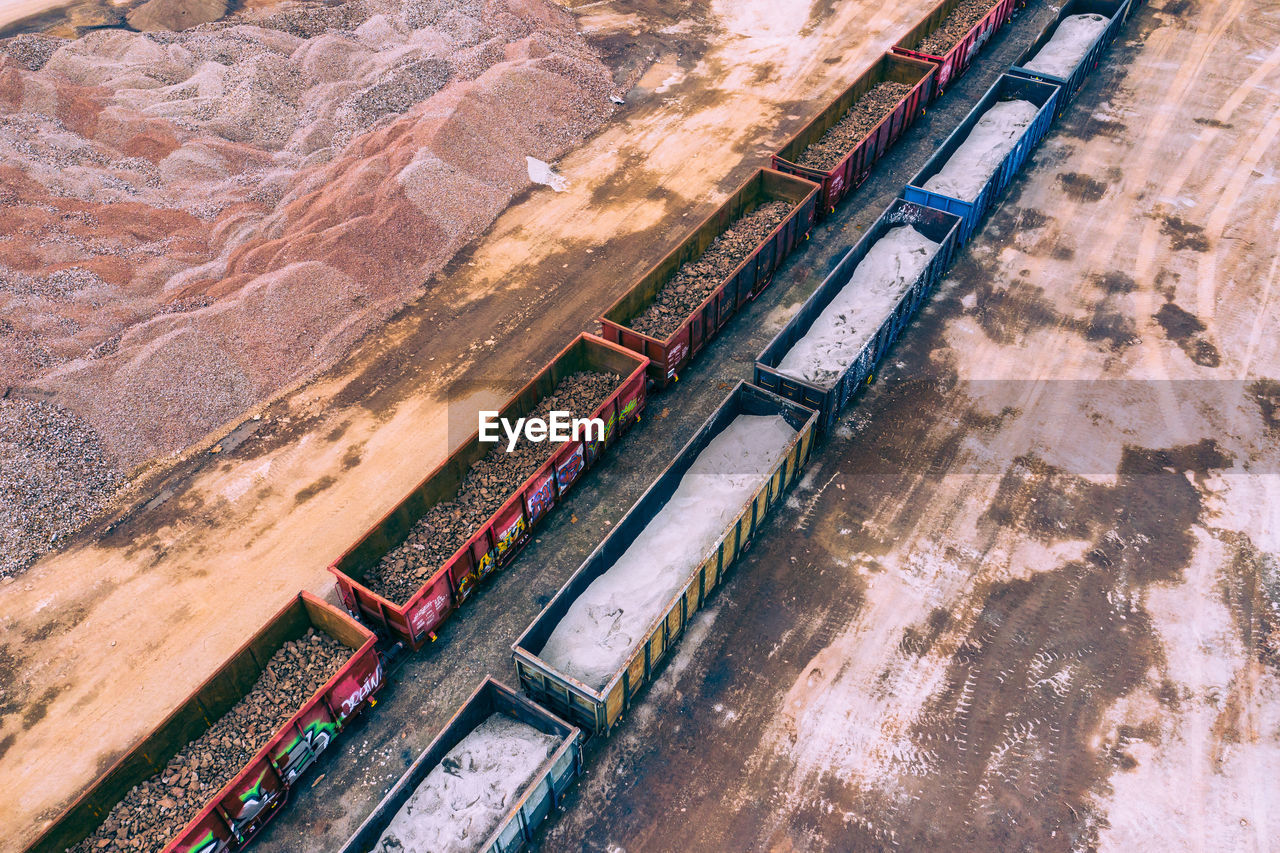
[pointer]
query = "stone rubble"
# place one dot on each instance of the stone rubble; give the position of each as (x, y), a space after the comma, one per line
(696, 279)
(155, 810)
(492, 479)
(878, 101)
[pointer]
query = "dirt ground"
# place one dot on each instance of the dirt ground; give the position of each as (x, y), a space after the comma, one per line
(1027, 599)
(1024, 599)
(147, 606)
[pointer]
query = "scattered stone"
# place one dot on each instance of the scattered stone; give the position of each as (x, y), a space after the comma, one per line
(30, 50)
(155, 810)
(841, 137)
(696, 279)
(54, 476)
(954, 26)
(491, 480)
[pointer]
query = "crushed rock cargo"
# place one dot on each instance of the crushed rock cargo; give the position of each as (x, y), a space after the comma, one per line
(839, 148)
(952, 34)
(474, 512)
(680, 305)
(485, 783)
(221, 765)
(607, 630)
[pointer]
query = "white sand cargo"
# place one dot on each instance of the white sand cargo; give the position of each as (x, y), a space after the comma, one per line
(605, 633)
(484, 784)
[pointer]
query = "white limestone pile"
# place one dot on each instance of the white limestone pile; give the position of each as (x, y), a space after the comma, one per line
(464, 798)
(845, 326)
(1070, 42)
(980, 154)
(609, 620)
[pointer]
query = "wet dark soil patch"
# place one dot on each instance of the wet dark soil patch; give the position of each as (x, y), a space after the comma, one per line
(37, 710)
(13, 692)
(1009, 737)
(309, 492)
(1111, 326)
(916, 640)
(1251, 591)
(1266, 393)
(1009, 314)
(1183, 234)
(1116, 282)
(1082, 187)
(1030, 218)
(1184, 328)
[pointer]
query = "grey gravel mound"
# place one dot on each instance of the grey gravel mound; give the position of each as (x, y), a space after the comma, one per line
(54, 476)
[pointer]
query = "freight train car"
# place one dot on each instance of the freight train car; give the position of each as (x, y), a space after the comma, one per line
(256, 791)
(871, 321)
(974, 205)
(495, 542)
(670, 351)
(953, 60)
(598, 707)
(853, 167)
(1075, 61)
(515, 816)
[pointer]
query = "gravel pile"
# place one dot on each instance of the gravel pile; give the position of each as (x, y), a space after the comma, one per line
(54, 476)
(491, 480)
(309, 20)
(695, 279)
(155, 810)
(954, 26)
(268, 189)
(866, 113)
(31, 50)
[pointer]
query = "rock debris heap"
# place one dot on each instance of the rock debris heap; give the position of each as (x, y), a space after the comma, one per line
(38, 504)
(696, 279)
(491, 480)
(155, 810)
(195, 220)
(954, 26)
(865, 114)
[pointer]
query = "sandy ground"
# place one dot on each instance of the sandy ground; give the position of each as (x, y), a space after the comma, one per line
(1027, 598)
(177, 583)
(12, 11)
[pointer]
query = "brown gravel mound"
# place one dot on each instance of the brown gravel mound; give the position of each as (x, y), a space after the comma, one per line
(175, 15)
(54, 477)
(954, 26)
(155, 810)
(491, 480)
(840, 138)
(695, 280)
